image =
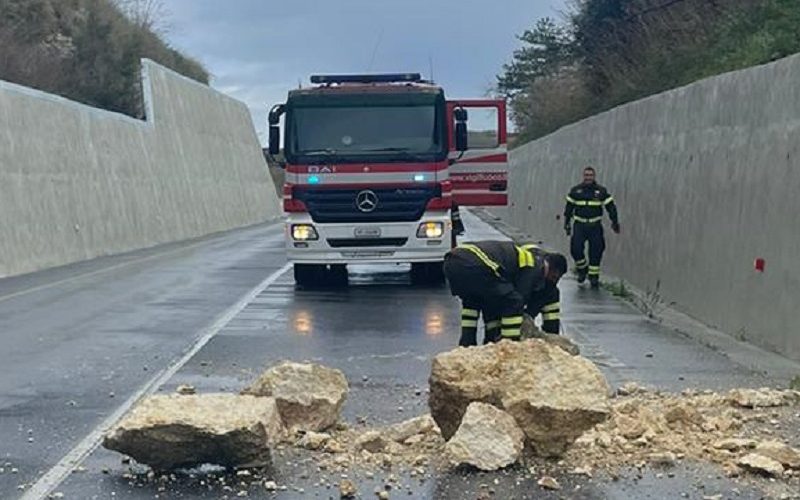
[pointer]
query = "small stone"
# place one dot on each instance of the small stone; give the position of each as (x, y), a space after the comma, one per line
(549, 483)
(781, 452)
(582, 471)
(186, 389)
(734, 444)
(347, 489)
(666, 459)
(111, 394)
(649, 355)
(761, 464)
(756, 398)
(629, 389)
(383, 495)
(313, 440)
(242, 493)
(372, 441)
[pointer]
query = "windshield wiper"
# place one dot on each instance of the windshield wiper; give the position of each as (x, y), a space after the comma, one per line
(405, 153)
(313, 152)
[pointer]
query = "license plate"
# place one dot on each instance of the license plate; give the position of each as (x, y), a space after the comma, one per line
(367, 232)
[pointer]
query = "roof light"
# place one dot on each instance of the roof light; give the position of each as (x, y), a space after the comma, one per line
(375, 78)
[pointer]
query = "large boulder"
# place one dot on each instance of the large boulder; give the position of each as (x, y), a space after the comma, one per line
(309, 396)
(176, 431)
(553, 396)
(488, 438)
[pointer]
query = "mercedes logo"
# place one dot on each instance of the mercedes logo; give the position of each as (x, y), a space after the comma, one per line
(366, 201)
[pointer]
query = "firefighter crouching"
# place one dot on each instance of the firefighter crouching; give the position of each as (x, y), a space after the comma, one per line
(583, 221)
(497, 279)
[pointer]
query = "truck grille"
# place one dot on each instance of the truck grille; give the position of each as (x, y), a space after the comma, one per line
(366, 242)
(339, 205)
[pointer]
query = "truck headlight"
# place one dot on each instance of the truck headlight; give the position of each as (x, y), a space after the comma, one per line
(304, 232)
(430, 230)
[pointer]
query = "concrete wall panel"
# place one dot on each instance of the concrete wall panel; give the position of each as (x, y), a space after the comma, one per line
(707, 178)
(77, 182)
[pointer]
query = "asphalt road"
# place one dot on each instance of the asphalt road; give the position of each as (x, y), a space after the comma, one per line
(80, 344)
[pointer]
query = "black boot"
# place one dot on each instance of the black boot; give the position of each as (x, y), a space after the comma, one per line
(595, 282)
(581, 275)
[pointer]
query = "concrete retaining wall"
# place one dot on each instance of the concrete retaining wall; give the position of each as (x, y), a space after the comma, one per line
(77, 182)
(707, 178)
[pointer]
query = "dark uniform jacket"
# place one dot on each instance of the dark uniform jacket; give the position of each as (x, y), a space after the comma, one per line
(585, 204)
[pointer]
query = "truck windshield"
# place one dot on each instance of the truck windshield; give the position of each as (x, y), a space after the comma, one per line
(361, 132)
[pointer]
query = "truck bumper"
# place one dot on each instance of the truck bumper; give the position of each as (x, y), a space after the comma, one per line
(372, 243)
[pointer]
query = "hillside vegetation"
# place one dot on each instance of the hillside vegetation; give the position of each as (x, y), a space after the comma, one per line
(604, 53)
(86, 50)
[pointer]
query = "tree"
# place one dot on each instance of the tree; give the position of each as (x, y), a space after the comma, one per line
(151, 15)
(547, 48)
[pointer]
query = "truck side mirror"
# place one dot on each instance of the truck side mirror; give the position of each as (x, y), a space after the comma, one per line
(460, 115)
(274, 140)
(461, 136)
(273, 120)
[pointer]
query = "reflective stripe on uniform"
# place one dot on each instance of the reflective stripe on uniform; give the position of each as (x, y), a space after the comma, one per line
(608, 200)
(493, 325)
(555, 306)
(469, 323)
(525, 257)
(590, 220)
(594, 270)
(511, 321)
(551, 316)
(594, 203)
(470, 313)
(570, 199)
(494, 266)
(581, 264)
(510, 333)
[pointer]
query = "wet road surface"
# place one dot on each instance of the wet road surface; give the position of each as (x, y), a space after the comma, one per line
(73, 339)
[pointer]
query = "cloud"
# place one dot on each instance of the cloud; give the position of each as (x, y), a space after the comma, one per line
(258, 50)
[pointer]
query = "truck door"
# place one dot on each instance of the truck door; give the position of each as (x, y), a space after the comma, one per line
(479, 176)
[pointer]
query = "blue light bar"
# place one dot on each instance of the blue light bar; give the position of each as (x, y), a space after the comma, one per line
(377, 78)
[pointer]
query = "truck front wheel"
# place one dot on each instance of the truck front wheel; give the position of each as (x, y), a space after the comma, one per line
(427, 273)
(320, 275)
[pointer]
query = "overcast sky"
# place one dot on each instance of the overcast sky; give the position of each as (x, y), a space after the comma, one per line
(257, 50)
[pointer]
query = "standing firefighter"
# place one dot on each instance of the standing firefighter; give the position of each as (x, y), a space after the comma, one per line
(498, 279)
(584, 206)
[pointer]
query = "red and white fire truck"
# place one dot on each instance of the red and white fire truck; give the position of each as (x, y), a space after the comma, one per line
(375, 165)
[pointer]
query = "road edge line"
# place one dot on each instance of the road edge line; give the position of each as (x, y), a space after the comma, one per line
(59, 472)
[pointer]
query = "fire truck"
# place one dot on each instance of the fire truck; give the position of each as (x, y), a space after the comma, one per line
(375, 168)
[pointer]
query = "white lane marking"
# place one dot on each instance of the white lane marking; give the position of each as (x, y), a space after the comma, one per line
(52, 478)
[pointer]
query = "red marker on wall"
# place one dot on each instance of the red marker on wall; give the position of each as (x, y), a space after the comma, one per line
(759, 264)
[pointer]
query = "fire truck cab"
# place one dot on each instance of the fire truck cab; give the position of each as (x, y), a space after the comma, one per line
(375, 165)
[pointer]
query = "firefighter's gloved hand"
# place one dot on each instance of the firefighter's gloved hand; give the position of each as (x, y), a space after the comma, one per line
(568, 229)
(615, 227)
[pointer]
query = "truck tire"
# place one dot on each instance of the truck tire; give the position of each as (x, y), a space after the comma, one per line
(427, 273)
(307, 275)
(320, 275)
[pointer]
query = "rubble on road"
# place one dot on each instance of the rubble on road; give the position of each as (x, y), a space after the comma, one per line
(757, 398)
(553, 396)
(309, 396)
(488, 439)
(650, 427)
(173, 431)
